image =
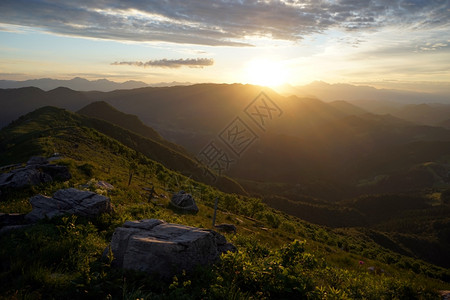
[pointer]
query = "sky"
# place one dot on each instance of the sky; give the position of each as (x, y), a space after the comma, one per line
(384, 42)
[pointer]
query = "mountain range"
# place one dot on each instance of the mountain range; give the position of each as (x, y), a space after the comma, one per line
(304, 141)
(81, 84)
(367, 95)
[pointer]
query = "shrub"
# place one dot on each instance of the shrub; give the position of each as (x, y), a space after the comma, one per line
(87, 169)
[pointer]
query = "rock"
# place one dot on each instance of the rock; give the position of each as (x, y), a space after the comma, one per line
(21, 177)
(184, 201)
(37, 171)
(445, 295)
(104, 185)
(68, 201)
(157, 247)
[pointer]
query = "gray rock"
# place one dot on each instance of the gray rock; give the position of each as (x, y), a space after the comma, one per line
(104, 185)
(37, 171)
(184, 201)
(154, 246)
(24, 176)
(68, 201)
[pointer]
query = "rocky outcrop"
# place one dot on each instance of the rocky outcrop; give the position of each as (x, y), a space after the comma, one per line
(104, 185)
(154, 246)
(37, 171)
(68, 201)
(184, 201)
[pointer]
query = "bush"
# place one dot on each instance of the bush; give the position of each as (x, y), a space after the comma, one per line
(272, 219)
(87, 169)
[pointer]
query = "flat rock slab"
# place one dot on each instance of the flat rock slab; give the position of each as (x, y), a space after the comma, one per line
(157, 247)
(68, 201)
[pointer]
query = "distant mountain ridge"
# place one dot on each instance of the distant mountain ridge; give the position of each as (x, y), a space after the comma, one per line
(82, 84)
(364, 96)
(77, 83)
(17, 102)
(311, 142)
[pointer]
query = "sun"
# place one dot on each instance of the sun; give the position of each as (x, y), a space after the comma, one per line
(266, 72)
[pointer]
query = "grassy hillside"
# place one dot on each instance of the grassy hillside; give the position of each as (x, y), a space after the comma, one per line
(279, 256)
(48, 121)
(104, 111)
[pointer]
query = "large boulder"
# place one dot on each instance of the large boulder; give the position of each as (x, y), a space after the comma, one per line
(68, 201)
(184, 201)
(37, 171)
(157, 247)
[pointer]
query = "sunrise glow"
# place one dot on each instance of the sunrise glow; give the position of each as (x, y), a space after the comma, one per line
(266, 72)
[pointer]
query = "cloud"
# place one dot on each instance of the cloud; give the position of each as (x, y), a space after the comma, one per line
(169, 63)
(220, 22)
(433, 46)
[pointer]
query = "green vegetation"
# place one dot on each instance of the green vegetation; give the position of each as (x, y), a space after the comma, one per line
(280, 256)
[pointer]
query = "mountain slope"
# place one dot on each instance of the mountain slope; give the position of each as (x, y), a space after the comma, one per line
(349, 109)
(426, 114)
(47, 120)
(104, 111)
(345, 152)
(193, 115)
